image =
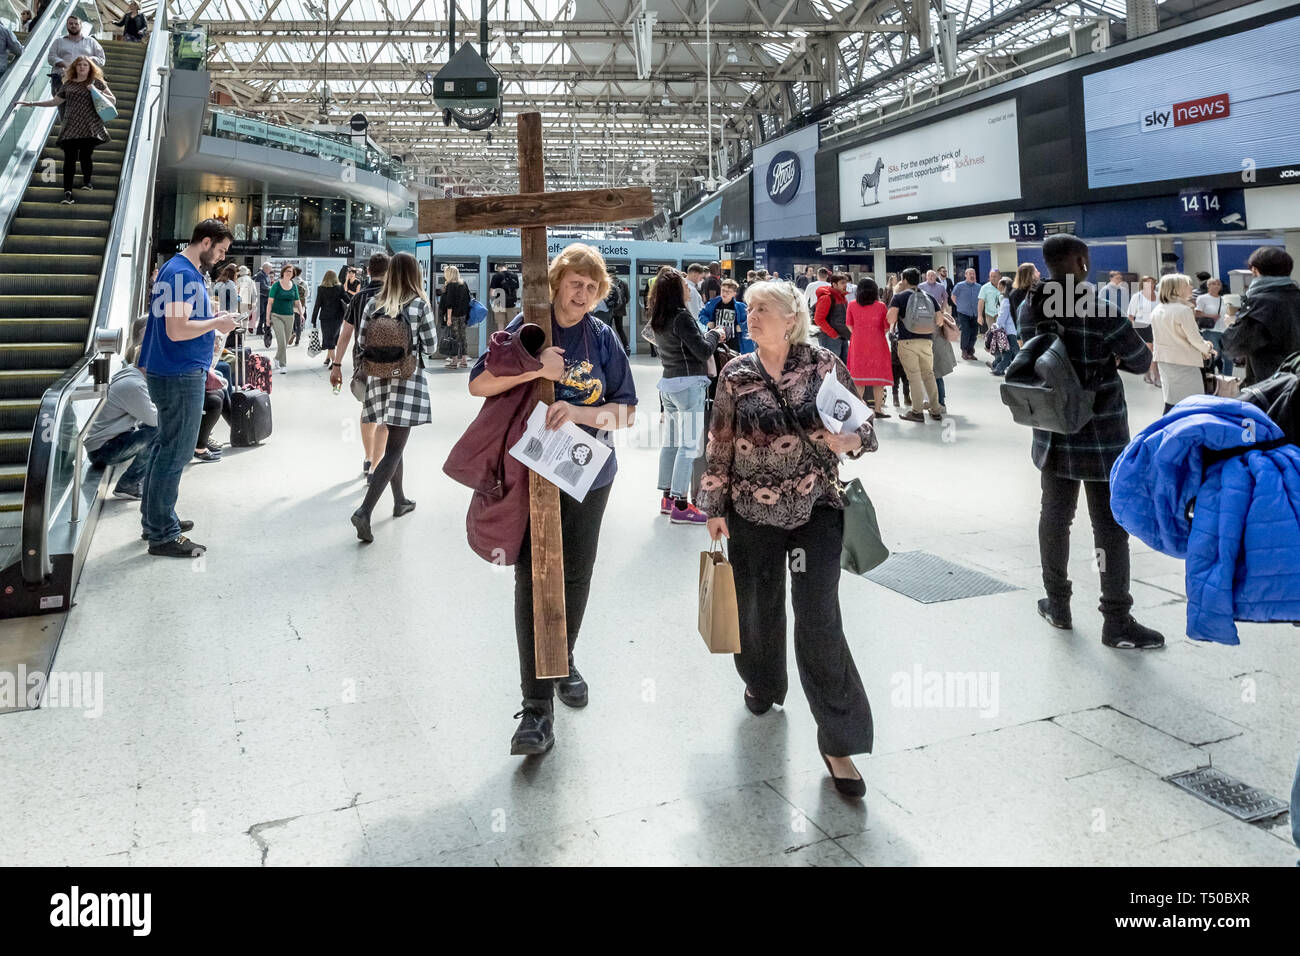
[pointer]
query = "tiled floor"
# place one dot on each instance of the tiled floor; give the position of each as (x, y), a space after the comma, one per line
(297, 698)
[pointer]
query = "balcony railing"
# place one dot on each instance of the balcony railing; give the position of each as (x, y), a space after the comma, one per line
(335, 148)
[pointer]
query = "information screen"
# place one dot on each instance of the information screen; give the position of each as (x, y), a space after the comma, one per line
(964, 160)
(1227, 105)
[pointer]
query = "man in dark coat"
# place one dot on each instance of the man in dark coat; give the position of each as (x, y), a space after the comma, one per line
(263, 279)
(1096, 338)
(1267, 329)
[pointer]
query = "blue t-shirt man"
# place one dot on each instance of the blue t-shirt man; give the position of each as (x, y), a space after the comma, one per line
(965, 296)
(596, 372)
(176, 373)
(178, 281)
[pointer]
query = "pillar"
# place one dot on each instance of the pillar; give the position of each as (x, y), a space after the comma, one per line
(878, 267)
(1292, 240)
(1005, 257)
(1200, 255)
(1144, 255)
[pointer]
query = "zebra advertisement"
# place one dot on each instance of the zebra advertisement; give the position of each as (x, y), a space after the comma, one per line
(965, 160)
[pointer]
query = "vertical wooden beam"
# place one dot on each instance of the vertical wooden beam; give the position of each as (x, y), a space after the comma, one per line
(550, 633)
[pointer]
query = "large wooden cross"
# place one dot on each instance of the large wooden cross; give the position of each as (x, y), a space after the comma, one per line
(532, 210)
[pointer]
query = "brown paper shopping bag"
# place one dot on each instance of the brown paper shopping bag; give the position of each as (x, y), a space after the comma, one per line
(719, 615)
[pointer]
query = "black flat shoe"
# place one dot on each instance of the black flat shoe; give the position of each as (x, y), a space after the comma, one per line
(536, 732)
(848, 786)
(756, 706)
(1059, 617)
(1131, 635)
(362, 524)
(185, 526)
(403, 508)
(572, 690)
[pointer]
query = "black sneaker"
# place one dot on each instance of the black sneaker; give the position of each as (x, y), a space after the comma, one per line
(182, 547)
(535, 734)
(87, 185)
(572, 690)
(185, 526)
(1130, 634)
(67, 198)
(207, 455)
(134, 492)
(1058, 617)
(214, 445)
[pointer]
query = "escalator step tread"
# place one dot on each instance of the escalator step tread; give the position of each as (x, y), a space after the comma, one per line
(11, 501)
(31, 263)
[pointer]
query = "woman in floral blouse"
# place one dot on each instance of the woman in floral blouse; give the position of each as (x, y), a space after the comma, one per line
(775, 497)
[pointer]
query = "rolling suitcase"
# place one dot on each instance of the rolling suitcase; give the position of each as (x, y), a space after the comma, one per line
(250, 411)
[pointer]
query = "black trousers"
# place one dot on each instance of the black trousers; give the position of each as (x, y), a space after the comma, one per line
(758, 555)
(1060, 499)
(216, 405)
(78, 151)
(580, 526)
(617, 320)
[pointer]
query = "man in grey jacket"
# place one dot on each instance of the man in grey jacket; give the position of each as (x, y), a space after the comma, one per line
(8, 44)
(66, 49)
(125, 427)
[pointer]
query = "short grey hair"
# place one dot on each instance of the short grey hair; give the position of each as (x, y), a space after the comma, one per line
(786, 297)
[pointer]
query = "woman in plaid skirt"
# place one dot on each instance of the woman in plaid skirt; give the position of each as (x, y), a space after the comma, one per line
(398, 403)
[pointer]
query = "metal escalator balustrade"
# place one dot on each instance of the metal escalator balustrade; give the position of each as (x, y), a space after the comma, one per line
(72, 278)
(50, 264)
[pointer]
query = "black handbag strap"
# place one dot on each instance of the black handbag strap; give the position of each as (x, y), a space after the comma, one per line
(834, 471)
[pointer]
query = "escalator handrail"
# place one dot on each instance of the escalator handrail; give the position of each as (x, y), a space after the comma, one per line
(15, 84)
(118, 293)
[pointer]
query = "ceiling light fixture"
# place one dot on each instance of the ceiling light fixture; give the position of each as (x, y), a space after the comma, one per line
(732, 56)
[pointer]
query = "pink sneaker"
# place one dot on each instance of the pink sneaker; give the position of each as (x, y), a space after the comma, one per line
(665, 505)
(688, 515)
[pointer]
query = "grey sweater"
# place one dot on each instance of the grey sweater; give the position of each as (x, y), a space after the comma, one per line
(128, 404)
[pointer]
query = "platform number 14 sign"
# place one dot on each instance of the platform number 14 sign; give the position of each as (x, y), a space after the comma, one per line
(1200, 203)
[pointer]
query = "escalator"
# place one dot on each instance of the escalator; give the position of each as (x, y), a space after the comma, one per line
(50, 265)
(72, 280)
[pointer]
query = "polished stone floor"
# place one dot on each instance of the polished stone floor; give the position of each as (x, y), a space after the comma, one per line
(295, 698)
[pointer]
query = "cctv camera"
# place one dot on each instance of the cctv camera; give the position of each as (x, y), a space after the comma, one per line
(1158, 224)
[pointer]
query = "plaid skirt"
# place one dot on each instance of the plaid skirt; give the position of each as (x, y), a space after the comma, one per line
(397, 402)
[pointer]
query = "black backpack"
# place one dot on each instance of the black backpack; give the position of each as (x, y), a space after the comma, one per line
(1041, 387)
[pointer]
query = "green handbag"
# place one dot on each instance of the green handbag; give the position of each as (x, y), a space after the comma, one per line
(862, 547)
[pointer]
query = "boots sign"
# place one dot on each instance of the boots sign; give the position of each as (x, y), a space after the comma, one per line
(783, 176)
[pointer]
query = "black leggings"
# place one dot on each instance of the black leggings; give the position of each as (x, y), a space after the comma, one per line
(580, 535)
(1110, 543)
(77, 152)
(388, 473)
(216, 405)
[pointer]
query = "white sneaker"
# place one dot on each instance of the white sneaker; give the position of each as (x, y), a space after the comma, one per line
(281, 369)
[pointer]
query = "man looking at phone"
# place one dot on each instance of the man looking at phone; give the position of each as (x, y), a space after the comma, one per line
(175, 357)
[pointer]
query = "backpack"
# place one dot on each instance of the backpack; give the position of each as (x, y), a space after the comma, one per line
(389, 351)
(616, 301)
(1041, 387)
(918, 317)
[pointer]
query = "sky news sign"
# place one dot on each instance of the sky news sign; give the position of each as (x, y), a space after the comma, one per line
(1223, 106)
(785, 186)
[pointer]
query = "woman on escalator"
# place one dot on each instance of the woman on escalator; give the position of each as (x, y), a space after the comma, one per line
(82, 130)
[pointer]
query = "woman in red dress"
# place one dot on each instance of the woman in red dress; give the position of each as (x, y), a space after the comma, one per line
(869, 360)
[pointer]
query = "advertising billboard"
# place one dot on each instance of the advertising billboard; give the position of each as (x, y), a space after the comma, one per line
(785, 186)
(1225, 105)
(722, 220)
(965, 160)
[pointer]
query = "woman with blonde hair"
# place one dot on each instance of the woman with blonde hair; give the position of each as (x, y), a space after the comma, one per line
(1179, 348)
(453, 310)
(399, 403)
(82, 129)
(772, 487)
(593, 390)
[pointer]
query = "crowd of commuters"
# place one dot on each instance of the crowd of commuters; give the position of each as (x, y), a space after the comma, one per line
(746, 417)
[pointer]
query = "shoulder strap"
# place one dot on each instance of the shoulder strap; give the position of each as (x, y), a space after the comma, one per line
(793, 419)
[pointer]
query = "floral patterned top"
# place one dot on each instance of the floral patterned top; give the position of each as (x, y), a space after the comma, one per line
(757, 463)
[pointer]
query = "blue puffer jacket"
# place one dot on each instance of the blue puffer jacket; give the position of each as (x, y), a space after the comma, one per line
(1242, 544)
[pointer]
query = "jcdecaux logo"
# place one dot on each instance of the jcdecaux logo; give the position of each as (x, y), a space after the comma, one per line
(1185, 113)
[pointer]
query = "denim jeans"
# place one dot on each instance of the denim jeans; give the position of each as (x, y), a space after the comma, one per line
(970, 326)
(683, 437)
(132, 446)
(1003, 360)
(179, 399)
(839, 346)
(1295, 807)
